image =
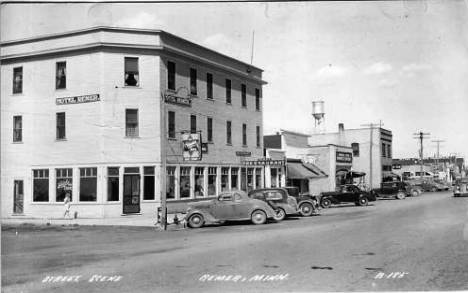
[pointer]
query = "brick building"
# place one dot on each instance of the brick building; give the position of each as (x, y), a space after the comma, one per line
(98, 112)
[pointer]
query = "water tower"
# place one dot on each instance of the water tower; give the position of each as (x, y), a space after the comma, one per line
(318, 111)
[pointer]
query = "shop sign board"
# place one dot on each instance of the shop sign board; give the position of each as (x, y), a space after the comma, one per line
(265, 162)
(344, 157)
(396, 166)
(78, 99)
(184, 101)
(191, 146)
(308, 159)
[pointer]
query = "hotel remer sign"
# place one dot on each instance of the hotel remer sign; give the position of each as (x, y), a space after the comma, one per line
(78, 99)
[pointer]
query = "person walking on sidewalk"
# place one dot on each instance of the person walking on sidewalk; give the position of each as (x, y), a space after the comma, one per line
(67, 203)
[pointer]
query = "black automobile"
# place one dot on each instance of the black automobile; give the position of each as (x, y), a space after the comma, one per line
(346, 194)
(279, 199)
(308, 204)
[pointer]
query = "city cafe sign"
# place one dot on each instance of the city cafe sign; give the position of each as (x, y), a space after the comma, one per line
(78, 99)
(168, 98)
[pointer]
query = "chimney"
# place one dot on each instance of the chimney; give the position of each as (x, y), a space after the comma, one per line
(340, 127)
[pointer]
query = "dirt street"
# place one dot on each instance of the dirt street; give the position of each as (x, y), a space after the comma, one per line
(391, 245)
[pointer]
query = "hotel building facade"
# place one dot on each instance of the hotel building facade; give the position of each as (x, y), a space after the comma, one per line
(98, 113)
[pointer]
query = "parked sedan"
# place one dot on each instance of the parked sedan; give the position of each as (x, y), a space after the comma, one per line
(279, 199)
(308, 204)
(232, 205)
(428, 185)
(347, 193)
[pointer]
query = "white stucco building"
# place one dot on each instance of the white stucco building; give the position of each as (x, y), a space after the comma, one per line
(96, 113)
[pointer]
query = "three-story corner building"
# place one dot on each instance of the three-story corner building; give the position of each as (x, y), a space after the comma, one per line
(98, 113)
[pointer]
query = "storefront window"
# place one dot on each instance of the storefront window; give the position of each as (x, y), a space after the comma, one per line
(243, 179)
(224, 179)
(148, 183)
(88, 184)
(185, 182)
(199, 181)
(258, 178)
(250, 178)
(64, 183)
(170, 183)
(41, 185)
(113, 184)
(234, 178)
(212, 176)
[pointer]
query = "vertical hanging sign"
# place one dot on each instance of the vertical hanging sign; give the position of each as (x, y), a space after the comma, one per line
(191, 146)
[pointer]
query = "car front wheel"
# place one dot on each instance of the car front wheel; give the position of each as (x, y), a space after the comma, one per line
(258, 217)
(306, 209)
(280, 215)
(363, 201)
(414, 193)
(326, 203)
(433, 189)
(196, 221)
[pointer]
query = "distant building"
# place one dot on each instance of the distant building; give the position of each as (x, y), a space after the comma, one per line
(371, 149)
(97, 112)
(444, 167)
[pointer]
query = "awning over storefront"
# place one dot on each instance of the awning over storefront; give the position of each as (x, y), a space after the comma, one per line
(298, 170)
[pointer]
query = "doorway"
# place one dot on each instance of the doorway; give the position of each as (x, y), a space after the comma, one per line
(131, 196)
(18, 197)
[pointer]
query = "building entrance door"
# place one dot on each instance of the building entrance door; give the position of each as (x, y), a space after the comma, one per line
(18, 196)
(131, 197)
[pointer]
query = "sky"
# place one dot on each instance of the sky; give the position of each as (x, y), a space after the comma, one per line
(403, 64)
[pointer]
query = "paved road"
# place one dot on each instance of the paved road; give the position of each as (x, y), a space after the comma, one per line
(416, 244)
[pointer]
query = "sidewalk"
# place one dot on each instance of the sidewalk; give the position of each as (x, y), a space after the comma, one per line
(127, 220)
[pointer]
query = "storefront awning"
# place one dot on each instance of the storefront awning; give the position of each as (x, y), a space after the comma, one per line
(297, 170)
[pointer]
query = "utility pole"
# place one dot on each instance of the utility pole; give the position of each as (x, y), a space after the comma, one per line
(371, 143)
(438, 146)
(421, 136)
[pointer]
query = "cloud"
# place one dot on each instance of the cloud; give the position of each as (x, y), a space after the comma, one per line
(216, 42)
(378, 68)
(332, 71)
(412, 69)
(143, 20)
(385, 83)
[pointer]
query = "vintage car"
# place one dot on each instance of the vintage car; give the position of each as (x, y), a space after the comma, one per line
(428, 184)
(347, 193)
(233, 205)
(445, 185)
(397, 189)
(308, 204)
(460, 187)
(279, 199)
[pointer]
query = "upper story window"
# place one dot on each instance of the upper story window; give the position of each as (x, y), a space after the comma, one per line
(18, 80)
(389, 150)
(384, 150)
(209, 86)
(209, 130)
(193, 123)
(244, 95)
(171, 124)
(244, 134)
(228, 91)
(61, 75)
(17, 129)
(355, 147)
(171, 72)
(61, 134)
(131, 123)
(257, 100)
(132, 75)
(193, 81)
(228, 132)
